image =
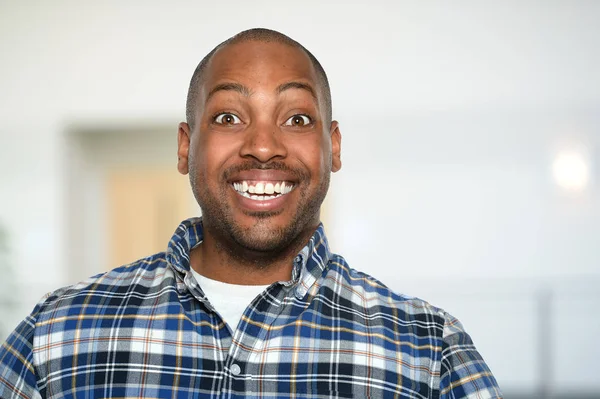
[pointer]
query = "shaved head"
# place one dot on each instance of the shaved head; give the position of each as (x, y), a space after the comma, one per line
(260, 35)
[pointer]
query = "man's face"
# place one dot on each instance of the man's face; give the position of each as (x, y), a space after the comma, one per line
(261, 152)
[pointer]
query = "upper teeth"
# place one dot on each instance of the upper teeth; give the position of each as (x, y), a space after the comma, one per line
(263, 188)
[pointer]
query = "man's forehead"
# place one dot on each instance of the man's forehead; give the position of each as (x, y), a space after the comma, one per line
(266, 62)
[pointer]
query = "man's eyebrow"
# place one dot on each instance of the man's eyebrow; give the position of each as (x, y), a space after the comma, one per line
(297, 85)
(243, 90)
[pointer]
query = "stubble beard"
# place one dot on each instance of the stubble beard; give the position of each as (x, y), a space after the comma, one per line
(261, 243)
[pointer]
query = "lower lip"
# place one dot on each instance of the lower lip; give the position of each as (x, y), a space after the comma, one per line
(261, 205)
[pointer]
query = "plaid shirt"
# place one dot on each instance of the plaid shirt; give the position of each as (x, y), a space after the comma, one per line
(148, 331)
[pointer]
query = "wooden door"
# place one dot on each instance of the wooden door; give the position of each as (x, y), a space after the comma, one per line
(145, 206)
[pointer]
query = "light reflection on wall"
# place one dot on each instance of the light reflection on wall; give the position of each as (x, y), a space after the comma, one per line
(571, 171)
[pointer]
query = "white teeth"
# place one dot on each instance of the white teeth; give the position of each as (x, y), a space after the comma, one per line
(264, 189)
(269, 189)
(264, 197)
(259, 188)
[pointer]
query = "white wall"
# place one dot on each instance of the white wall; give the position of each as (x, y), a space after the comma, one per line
(451, 114)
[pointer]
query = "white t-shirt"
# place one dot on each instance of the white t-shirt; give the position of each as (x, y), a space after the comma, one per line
(229, 300)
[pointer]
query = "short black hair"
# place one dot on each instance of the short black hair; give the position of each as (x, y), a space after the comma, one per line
(261, 35)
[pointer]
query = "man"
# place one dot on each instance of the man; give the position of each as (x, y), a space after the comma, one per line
(247, 301)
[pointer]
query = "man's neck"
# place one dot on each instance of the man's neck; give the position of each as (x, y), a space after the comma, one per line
(241, 266)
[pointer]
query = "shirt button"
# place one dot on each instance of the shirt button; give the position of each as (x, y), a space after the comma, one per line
(235, 369)
(300, 292)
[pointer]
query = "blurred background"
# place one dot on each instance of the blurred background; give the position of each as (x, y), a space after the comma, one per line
(471, 150)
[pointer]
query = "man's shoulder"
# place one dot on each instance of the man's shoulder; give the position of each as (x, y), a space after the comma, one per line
(372, 295)
(122, 285)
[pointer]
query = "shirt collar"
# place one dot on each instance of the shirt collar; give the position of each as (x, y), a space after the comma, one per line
(309, 263)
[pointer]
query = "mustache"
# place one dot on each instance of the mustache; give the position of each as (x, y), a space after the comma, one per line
(271, 165)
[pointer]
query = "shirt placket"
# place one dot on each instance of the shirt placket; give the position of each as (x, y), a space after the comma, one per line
(239, 369)
(242, 364)
(222, 338)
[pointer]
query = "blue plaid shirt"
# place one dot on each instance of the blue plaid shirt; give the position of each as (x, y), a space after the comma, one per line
(147, 330)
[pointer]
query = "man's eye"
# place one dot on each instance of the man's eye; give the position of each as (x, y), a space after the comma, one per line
(298, 120)
(227, 119)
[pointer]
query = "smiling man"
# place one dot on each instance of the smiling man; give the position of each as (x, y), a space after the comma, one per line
(260, 146)
(247, 301)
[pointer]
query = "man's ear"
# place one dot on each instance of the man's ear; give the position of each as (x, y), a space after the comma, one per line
(336, 146)
(183, 148)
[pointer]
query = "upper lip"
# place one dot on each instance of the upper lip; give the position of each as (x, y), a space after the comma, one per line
(263, 175)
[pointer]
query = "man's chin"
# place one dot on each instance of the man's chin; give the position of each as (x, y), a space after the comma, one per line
(264, 236)
(263, 239)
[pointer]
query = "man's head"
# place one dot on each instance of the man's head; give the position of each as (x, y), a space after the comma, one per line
(262, 35)
(259, 143)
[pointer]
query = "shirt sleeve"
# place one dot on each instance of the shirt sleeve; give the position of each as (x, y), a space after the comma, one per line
(464, 373)
(18, 378)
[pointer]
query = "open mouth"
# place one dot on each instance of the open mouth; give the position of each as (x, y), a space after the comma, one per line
(262, 190)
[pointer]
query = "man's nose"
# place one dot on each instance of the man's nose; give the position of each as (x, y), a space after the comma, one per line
(264, 142)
